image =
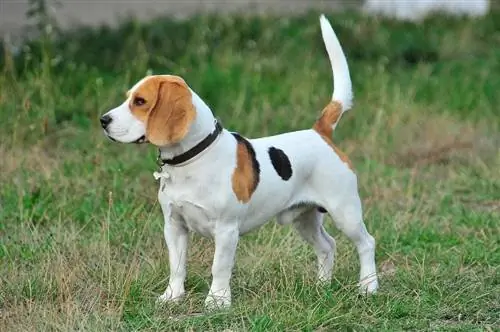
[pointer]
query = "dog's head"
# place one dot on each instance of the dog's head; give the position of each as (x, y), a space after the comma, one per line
(158, 109)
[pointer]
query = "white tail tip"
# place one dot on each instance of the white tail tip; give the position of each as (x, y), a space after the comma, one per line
(342, 91)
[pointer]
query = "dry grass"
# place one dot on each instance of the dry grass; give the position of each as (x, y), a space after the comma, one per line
(81, 234)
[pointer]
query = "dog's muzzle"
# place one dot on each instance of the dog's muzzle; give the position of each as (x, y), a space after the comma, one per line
(105, 121)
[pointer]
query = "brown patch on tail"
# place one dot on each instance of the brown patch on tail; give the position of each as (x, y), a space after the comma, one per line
(324, 126)
(246, 175)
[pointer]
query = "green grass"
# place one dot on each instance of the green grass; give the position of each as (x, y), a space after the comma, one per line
(81, 243)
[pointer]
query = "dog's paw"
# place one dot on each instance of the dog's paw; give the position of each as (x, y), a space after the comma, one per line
(324, 278)
(170, 297)
(218, 300)
(368, 286)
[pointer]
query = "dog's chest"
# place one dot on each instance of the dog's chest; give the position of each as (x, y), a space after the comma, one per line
(188, 201)
(195, 218)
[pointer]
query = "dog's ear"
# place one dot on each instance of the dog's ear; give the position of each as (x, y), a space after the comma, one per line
(173, 112)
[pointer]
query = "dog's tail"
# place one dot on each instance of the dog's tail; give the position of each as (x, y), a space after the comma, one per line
(342, 92)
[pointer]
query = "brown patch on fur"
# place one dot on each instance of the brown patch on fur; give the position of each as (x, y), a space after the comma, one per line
(323, 126)
(329, 116)
(342, 156)
(246, 175)
(166, 108)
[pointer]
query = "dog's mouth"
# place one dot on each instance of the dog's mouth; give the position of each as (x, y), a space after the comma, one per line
(141, 140)
(109, 136)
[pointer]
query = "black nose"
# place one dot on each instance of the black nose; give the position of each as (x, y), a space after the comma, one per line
(105, 121)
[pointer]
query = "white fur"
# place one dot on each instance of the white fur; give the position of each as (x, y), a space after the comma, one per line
(341, 79)
(414, 10)
(125, 127)
(198, 195)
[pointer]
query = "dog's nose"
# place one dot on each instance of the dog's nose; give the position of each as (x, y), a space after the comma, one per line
(105, 121)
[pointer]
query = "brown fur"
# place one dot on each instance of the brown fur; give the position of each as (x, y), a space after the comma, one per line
(245, 176)
(168, 111)
(323, 126)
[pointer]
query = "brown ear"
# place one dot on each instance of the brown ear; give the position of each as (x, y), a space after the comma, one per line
(169, 119)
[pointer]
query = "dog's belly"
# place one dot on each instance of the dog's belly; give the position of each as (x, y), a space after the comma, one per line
(255, 221)
(195, 218)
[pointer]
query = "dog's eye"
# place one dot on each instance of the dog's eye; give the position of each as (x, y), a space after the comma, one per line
(138, 101)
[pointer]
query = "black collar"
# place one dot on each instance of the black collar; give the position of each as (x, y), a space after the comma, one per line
(195, 150)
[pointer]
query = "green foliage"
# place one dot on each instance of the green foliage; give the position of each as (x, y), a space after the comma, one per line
(81, 243)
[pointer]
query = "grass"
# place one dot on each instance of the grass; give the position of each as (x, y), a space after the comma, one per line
(81, 243)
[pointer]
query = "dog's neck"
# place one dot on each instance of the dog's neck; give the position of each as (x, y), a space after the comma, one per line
(201, 127)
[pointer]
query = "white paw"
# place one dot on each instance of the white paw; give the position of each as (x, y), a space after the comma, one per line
(324, 277)
(218, 300)
(323, 280)
(170, 297)
(368, 285)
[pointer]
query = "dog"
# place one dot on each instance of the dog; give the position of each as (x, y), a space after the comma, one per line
(222, 185)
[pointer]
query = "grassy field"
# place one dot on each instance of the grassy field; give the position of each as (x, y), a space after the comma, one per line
(81, 242)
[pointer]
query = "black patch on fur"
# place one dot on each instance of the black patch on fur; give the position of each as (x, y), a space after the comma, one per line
(280, 162)
(321, 209)
(251, 151)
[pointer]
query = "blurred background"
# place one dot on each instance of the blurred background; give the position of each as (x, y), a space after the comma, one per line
(70, 12)
(81, 243)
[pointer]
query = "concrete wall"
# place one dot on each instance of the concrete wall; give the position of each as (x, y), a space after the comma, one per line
(95, 12)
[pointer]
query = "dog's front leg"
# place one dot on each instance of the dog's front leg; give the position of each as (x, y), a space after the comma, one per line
(176, 236)
(226, 241)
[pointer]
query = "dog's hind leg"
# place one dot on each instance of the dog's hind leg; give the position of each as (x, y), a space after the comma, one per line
(348, 219)
(309, 224)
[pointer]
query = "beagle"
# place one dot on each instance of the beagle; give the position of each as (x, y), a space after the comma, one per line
(221, 185)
